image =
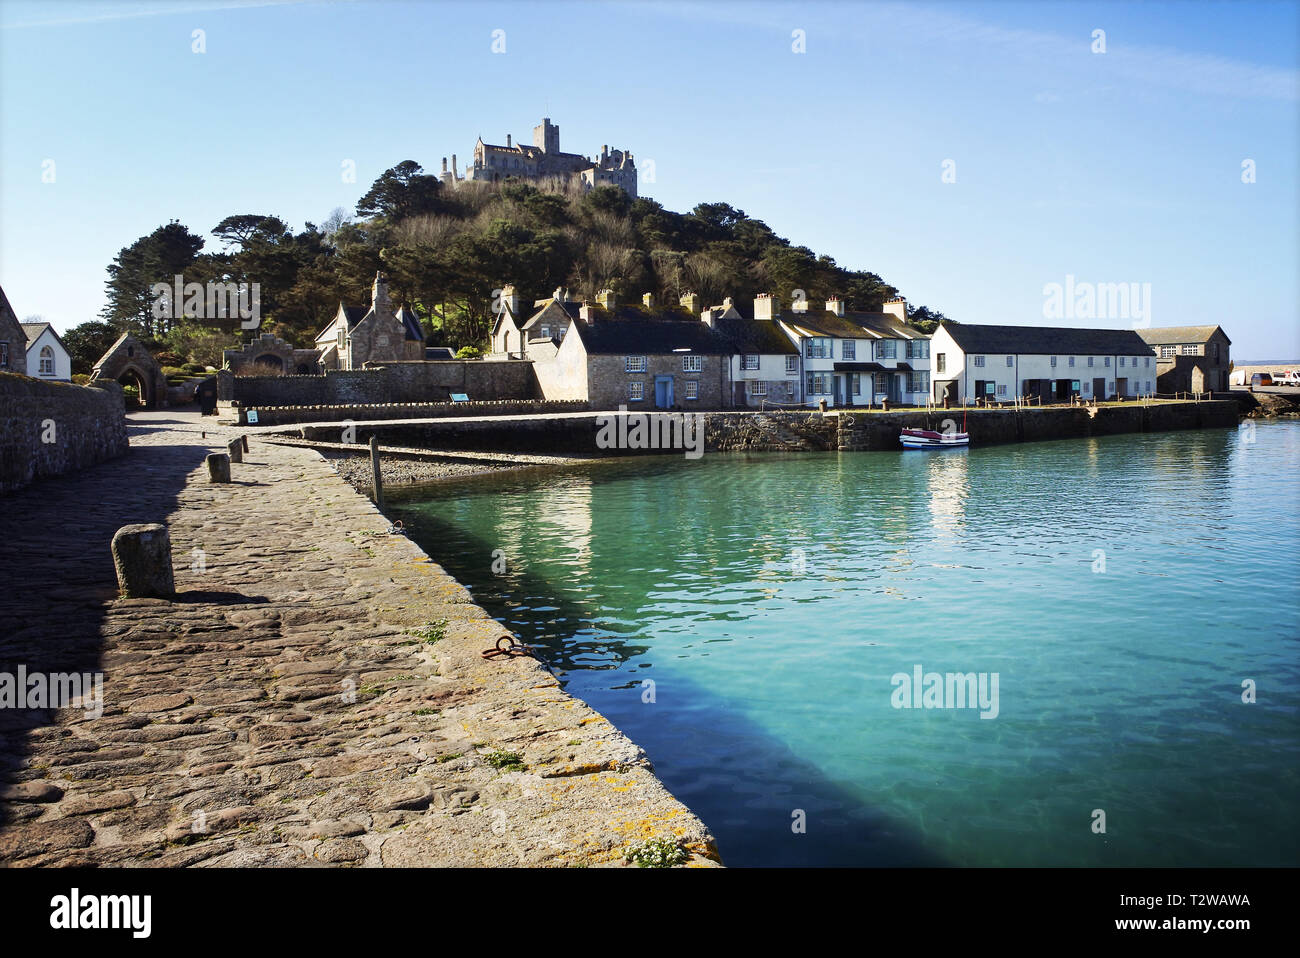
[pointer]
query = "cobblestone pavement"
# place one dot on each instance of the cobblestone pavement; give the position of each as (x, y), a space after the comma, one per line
(314, 695)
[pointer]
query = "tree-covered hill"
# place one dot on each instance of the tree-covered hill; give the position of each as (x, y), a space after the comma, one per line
(445, 252)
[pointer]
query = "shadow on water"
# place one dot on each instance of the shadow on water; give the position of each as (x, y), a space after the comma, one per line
(55, 536)
(742, 781)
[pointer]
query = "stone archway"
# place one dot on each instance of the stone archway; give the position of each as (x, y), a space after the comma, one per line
(127, 358)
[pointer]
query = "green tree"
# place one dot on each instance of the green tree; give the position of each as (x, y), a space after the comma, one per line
(401, 192)
(88, 341)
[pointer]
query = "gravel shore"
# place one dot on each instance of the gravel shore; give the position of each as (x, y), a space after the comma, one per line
(356, 469)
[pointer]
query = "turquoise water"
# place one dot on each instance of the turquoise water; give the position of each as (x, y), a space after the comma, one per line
(771, 599)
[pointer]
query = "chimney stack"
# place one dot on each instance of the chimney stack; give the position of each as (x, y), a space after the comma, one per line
(587, 313)
(379, 296)
(648, 300)
(510, 300)
(835, 305)
(766, 306)
(607, 299)
(508, 143)
(691, 303)
(897, 307)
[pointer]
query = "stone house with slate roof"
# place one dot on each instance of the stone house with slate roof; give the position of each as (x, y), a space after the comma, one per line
(1054, 364)
(380, 334)
(642, 357)
(13, 339)
(1190, 358)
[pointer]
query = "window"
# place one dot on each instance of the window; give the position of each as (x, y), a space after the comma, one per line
(635, 391)
(1191, 350)
(1121, 361)
(1002, 390)
(941, 362)
(979, 362)
(1216, 351)
(1106, 362)
(693, 364)
(1011, 360)
(634, 364)
(850, 349)
(4, 355)
(819, 348)
(1147, 362)
(918, 382)
(855, 383)
(789, 390)
(757, 387)
(791, 365)
(819, 384)
(47, 361)
(1148, 387)
(692, 389)
(918, 349)
(1090, 360)
(1168, 352)
(546, 332)
(887, 349)
(748, 361)
(1071, 362)
(381, 340)
(1087, 387)
(1110, 388)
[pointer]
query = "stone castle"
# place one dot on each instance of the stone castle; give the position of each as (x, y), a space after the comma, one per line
(545, 162)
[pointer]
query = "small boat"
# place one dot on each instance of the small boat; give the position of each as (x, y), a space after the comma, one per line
(929, 439)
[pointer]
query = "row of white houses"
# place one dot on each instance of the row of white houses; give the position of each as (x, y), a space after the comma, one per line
(661, 357)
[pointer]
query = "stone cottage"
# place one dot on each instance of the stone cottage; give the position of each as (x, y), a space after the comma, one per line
(380, 334)
(1189, 358)
(13, 339)
(641, 357)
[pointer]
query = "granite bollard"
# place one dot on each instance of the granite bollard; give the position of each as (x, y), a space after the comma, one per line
(235, 450)
(142, 556)
(218, 467)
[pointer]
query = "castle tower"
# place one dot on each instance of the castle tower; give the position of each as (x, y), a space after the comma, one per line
(546, 136)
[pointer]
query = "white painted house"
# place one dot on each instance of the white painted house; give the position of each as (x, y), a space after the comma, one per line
(1001, 363)
(857, 358)
(47, 357)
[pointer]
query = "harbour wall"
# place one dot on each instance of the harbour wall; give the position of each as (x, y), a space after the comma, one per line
(786, 431)
(398, 382)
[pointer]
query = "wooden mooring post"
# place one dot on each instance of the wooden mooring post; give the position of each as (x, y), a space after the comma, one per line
(377, 478)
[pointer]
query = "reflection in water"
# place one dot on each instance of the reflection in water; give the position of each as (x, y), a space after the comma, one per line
(948, 488)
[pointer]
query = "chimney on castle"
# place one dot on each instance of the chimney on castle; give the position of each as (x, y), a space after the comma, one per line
(453, 165)
(835, 305)
(444, 164)
(896, 307)
(607, 299)
(766, 306)
(379, 300)
(648, 300)
(691, 303)
(508, 143)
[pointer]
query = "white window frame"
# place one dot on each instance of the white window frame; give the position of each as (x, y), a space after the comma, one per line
(692, 364)
(692, 389)
(849, 350)
(749, 362)
(792, 365)
(635, 391)
(756, 387)
(1011, 361)
(979, 362)
(634, 364)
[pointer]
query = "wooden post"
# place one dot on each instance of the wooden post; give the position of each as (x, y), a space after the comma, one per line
(244, 437)
(378, 479)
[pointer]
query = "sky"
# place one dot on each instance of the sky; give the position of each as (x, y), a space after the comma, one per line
(971, 154)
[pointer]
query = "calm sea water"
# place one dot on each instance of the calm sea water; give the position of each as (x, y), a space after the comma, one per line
(1122, 589)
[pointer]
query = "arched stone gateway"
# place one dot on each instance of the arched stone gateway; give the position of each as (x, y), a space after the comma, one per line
(127, 361)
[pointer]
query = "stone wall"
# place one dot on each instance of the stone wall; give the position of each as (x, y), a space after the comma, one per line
(608, 380)
(50, 428)
(399, 382)
(288, 415)
(794, 431)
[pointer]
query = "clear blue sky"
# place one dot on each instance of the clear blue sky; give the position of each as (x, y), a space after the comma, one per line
(1115, 167)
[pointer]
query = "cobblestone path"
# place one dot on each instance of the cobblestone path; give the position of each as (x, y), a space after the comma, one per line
(314, 695)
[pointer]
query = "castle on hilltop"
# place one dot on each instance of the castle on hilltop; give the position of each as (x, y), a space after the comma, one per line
(545, 162)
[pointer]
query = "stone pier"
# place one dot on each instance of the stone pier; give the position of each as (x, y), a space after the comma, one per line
(314, 693)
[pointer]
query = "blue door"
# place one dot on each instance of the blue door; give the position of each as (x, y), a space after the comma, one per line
(663, 392)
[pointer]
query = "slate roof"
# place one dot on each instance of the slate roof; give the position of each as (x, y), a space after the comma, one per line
(34, 331)
(638, 337)
(1179, 334)
(852, 325)
(411, 323)
(1047, 340)
(756, 336)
